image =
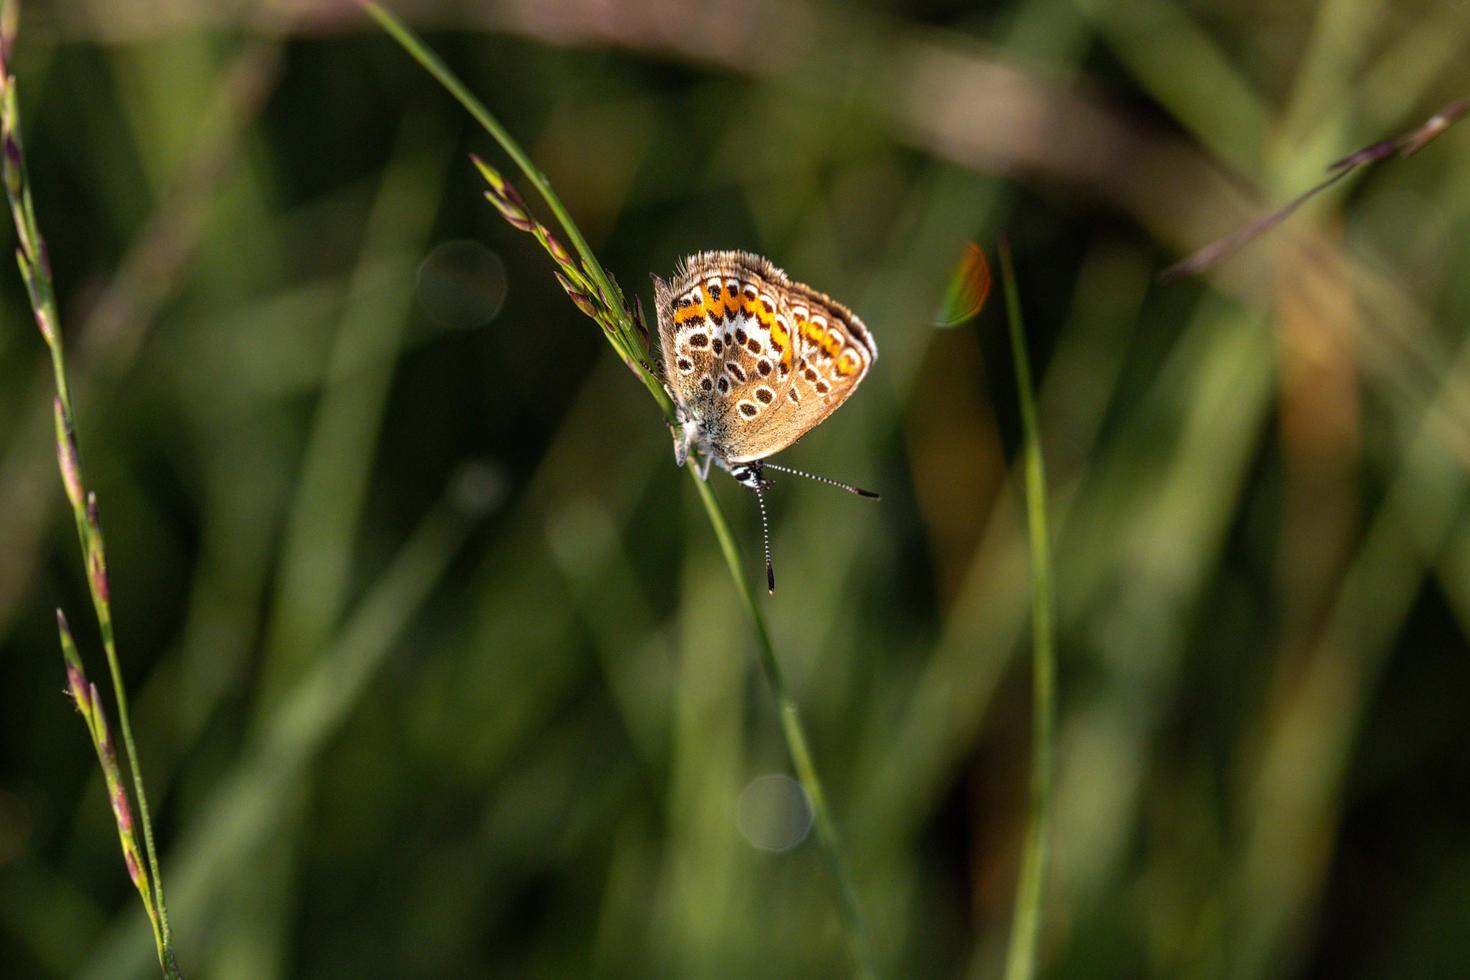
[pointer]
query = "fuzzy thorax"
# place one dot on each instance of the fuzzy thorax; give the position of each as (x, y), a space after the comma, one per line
(692, 439)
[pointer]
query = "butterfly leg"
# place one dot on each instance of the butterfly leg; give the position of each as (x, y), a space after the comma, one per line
(680, 432)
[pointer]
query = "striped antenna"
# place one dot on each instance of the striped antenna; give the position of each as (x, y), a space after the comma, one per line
(760, 496)
(822, 479)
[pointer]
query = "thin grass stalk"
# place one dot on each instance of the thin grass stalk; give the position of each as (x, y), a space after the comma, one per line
(603, 284)
(596, 294)
(84, 695)
(35, 270)
(1030, 891)
(796, 742)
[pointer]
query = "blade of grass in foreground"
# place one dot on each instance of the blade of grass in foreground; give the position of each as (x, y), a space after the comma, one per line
(35, 271)
(1026, 924)
(597, 295)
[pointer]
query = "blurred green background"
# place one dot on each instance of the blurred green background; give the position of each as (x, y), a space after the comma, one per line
(436, 669)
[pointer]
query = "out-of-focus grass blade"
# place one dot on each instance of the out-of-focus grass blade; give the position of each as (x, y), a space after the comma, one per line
(1026, 926)
(969, 288)
(247, 805)
(1406, 145)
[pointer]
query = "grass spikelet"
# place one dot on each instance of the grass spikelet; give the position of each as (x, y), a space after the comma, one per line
(35, 269)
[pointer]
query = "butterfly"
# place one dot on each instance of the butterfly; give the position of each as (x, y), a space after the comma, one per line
(753, 361)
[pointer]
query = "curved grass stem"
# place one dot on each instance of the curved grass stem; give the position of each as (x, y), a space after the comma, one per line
(605, 286)
(614, 307)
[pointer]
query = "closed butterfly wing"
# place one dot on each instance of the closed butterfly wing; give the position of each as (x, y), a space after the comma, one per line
(729, 346)
(685, 343)
(832, 351)
(753, 361)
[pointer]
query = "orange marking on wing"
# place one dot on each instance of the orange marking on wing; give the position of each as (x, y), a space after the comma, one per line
(848, 363)
(782, 340)
(716, 307)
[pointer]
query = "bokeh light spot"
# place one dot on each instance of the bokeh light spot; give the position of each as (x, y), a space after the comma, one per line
(461, 284)
(773, 813)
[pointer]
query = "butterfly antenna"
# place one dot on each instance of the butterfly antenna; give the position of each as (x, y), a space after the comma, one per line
(822, 479)
(760, 496)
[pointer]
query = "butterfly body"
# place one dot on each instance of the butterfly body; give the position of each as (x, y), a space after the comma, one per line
(752, 359)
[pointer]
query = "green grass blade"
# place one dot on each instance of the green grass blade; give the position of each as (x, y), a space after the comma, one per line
(1026, 925)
